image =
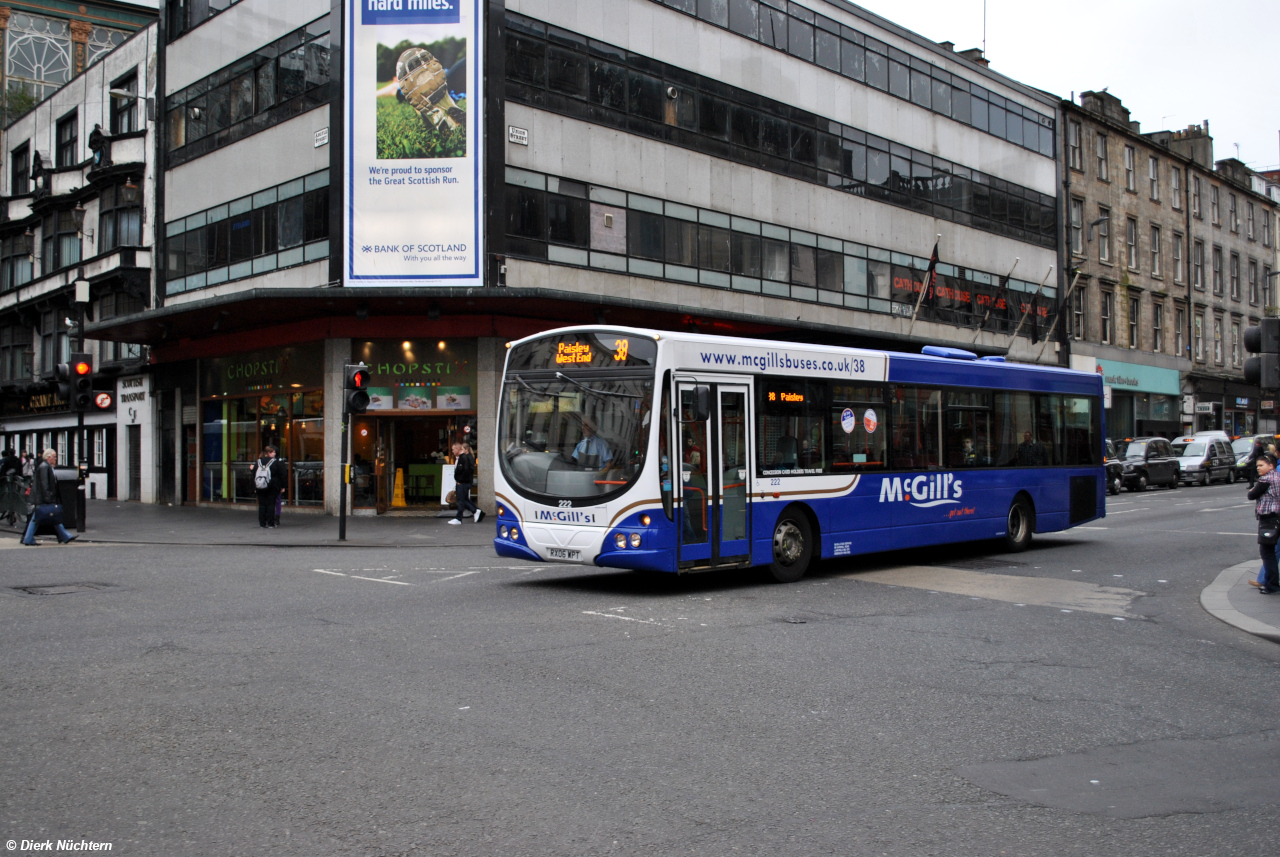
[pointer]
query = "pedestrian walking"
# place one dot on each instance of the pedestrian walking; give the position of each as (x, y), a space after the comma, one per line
(268, 480)
(48, 505)
(464, 474)
(1266, 491)
(28, 464)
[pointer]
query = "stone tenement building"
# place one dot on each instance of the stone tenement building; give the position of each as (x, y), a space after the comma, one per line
(1173, 255)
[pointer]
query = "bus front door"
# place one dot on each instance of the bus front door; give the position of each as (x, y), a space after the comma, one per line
(715, 477)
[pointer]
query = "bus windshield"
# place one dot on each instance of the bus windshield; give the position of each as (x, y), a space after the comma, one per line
(574, 437)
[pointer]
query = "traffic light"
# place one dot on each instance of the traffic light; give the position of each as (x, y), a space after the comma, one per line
(1263, 340)
(63, 374)
(81, 381)
(355, 395)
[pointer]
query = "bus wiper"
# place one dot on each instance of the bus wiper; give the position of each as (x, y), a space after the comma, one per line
(529, 389)
(564, 377)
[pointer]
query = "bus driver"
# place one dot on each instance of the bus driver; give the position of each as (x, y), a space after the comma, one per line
(592, 445)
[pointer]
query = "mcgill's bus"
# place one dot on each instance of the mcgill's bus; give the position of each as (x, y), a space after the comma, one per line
(676, 452)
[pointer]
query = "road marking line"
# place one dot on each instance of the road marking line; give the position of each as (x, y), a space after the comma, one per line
(334, 573)
(1127, 511)
(1225, 508)
(1042, 591)
(1235, 534)
(1096, 528)
(380, 580)
(455, 577)
(616, 616)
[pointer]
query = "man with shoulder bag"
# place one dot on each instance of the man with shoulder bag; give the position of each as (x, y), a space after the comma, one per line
(1266, 491)
(48, 505)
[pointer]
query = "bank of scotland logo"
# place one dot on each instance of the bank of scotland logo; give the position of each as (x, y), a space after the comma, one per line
(937, 489)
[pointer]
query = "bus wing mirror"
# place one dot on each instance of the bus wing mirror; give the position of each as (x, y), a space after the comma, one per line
(702, 403)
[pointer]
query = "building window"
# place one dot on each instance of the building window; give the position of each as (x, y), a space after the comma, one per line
(37, 54)
(1197, 265)
(1217, 339)
(1248, 223)
(1235, 276)
(1104, 234)
(1102, 158)
(100, 447)
(1153, 176)
(1177, 257)
(124, 109)
(1266, 286)
(54, 346)
(1077, 227)
(20, 170)
(1215, 212)
(1217, 270)
(68, 151)
(1235, 343)
(1073, 146)
(1108, 312)
(1195, 196)
(1233, 218)
(1155, 250)
(1130, 169)
(120, 216)
(15, 261)
(1135, 309)
(1131, 243)
(61, 242)
(1266, 228)
(1198, 336)
(1180, 320)
(1253, 281)
(1077, 314)
(1175, 188)
(15, 352)
(1157, 327)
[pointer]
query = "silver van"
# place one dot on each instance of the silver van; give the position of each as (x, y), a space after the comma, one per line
(1203, 459)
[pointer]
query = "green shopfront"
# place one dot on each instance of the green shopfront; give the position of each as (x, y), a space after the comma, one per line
(1145, 400)
(249, 400)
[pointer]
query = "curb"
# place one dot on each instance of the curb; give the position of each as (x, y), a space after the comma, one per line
(1216, 603)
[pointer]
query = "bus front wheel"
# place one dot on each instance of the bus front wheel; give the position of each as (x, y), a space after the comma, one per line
(792, 547)
(1017, 533)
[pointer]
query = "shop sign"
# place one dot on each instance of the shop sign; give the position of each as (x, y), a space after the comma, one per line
(266, 371)
(419, 375)
(1134, 377)
(45, 403)
(1188, 405)
(1268, 404)
(1204, 407)
(413, 213)
(1242, 402)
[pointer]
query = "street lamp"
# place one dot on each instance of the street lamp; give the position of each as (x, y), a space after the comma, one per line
(1098, 222)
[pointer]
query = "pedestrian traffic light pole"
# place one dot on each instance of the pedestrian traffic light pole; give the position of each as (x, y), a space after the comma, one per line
(82, 466)
(355, 400)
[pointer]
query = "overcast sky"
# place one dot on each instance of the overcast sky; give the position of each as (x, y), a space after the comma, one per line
(1172, 62)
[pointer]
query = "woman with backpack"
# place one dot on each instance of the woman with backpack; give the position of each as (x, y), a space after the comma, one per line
(268, 480)
(464, 474)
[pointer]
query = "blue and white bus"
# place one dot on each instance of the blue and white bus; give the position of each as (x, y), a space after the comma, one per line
(676, 452)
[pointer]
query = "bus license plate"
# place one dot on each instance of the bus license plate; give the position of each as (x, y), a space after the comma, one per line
(563, 553)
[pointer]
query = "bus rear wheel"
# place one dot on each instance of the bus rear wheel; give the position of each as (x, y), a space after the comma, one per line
(792, 547)
(1018, 527)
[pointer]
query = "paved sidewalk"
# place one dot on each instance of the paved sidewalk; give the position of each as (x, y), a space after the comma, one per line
(1231, 599)
(110, 521)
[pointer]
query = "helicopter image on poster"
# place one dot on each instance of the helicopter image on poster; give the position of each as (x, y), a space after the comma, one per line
(423, 82)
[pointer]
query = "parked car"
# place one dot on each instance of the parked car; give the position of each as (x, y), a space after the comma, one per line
(1242, 448)
(1203, 459)
(1213, 433)
(1115, 470)
(1147, 461)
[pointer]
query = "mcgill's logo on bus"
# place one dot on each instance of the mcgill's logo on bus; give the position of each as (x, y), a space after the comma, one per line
(936, 489)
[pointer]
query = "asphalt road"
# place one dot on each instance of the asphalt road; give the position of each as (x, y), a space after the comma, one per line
(1073, 699)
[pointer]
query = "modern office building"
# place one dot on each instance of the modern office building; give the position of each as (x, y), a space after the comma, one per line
(346, 183)
(77, 197)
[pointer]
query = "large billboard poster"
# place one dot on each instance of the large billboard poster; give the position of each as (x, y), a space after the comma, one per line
(414, 128)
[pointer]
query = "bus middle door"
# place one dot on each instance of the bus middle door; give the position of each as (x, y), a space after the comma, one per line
(715, 475)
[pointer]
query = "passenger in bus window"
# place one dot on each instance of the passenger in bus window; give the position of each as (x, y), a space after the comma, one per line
(1031, 452)
(968, 453)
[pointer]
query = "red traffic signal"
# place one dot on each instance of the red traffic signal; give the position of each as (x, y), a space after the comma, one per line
(355, 398)
(81, 380)
(82, 368)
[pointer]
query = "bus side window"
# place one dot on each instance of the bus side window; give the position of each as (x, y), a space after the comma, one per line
(917, 429)
(1080, 441)
(968, 429)
(1013, 435)
(665, 471)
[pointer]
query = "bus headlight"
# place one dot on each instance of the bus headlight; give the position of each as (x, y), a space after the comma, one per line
(501, 512)
(515, 533)
(620, 540)
(635, 540)
(644, 520)
(504, 530)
